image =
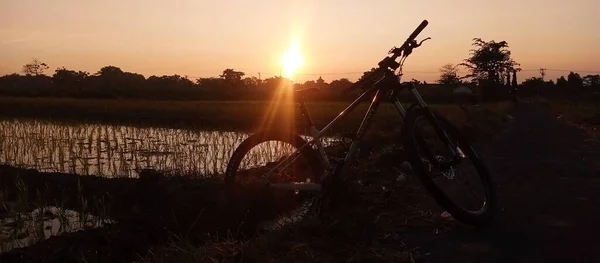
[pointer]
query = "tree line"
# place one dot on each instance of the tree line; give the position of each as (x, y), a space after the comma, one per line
(113, 82)
(492, 72)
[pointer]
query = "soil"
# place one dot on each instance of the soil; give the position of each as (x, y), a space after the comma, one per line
(547, 174)
(548, 177)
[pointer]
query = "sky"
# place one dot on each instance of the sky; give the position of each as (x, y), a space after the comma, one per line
(337, 39)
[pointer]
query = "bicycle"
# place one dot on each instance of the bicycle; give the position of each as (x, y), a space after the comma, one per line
(432, 169)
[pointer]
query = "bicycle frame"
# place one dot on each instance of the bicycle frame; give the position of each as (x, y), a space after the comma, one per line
(388, 83)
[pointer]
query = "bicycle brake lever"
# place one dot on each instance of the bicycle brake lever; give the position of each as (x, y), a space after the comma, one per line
(424, 40)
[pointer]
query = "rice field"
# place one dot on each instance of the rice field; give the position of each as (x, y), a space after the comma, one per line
(116, 150)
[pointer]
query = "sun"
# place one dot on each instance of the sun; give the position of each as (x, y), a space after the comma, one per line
(291, 60)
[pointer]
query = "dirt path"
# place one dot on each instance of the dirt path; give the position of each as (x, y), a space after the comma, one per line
(548, 177)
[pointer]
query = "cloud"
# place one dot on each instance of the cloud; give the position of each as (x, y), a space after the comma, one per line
(80, 35)
(36, 36)
(18, 40)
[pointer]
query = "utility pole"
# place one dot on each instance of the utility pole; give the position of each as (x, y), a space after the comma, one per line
(543, 72)
(258, 75)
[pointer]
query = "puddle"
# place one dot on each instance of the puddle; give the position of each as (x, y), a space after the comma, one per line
(25, 229)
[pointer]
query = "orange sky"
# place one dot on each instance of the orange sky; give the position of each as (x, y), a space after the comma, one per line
(201, 38)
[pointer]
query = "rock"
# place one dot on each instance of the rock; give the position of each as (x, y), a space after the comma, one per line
(406, 166)
(402, 177)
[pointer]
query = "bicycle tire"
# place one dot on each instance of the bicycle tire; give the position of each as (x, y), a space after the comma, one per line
(272, 135)
(410, 142)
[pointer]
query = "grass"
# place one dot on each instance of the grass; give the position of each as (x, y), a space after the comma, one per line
(383, 220)
(375, 213)
(28, 218)
(219, 115)
(149, 211)
(374, 224)
(584, 114)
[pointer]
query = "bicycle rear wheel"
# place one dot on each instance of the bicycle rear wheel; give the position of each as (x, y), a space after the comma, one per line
(464, 188)
(253, 161)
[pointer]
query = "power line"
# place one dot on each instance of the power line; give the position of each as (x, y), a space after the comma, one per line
(566, 70)
(263, 74)
(437, 72)
(324, 74)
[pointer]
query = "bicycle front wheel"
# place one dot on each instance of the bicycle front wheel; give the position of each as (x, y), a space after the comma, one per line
(461, 185)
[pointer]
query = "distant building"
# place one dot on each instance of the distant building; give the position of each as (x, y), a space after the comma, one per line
(320, 82)
(463, 89)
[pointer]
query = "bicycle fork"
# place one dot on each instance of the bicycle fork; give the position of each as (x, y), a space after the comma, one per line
(457, 153)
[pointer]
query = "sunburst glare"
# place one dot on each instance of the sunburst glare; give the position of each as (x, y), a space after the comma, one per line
(291, 60)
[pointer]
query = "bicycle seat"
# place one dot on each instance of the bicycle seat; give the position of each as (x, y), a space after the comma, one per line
(303, 92)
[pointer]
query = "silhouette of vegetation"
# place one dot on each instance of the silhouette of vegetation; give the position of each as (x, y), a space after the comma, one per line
(232, 77)
(110, 82)
(449, 75)
(573, 87)
(492, 76)
(489, 61)
(35, 67)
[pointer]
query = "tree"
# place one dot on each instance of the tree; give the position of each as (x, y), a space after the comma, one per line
(251, 82)
(449, 75)
(109, 71)
(340, 84)
(310, 84)
(209, 83)
(368, 82)
(35, 67)
(275, 82)
(66, 79)
(533, 82)
(489, 60)
(169, 82)
(231, 76)
(366, 73)
(562, 82)
(575, 80)
(591, 81)
(113, 82)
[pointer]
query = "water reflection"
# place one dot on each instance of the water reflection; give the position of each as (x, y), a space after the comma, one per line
(111, 150)
(25, 229)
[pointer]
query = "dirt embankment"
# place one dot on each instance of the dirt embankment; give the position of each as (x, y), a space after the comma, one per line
(149, 212)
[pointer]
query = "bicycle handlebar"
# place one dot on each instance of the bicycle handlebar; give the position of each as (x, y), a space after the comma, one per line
(398, 51)
(418, 30)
